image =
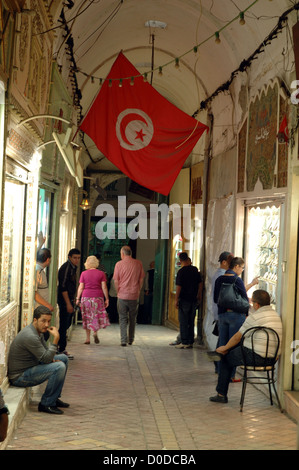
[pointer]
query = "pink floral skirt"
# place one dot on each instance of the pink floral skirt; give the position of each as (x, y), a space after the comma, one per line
(94, 315)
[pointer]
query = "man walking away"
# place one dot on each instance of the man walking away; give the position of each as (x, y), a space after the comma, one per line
(128, 279)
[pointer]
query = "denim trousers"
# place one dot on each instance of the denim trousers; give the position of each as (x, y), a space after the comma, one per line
(127, 312)
(187, 312)
(228, 324)
(54, 373)
(230, 361)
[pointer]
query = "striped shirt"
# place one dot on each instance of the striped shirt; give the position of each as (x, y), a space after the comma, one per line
(267, 317)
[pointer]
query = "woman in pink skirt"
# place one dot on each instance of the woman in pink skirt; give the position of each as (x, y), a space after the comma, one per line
(94, 298)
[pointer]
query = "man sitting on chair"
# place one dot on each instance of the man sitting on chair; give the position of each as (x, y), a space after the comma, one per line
(230, 354)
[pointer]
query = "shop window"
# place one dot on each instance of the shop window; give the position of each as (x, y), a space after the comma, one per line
(45, 215)
(12, 243)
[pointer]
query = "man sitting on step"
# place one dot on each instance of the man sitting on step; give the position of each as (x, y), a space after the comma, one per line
(31, 362)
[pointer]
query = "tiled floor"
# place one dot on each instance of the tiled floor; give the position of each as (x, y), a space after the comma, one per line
(150, 396)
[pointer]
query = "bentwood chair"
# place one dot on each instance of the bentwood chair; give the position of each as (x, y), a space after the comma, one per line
(264, 370)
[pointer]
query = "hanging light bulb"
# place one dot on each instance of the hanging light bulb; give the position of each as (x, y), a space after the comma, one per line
(110, 83)
(177, 63)
(145, 77)
(120, 83)
(132, 81)
(217, 36)
(195, 49)
(242, 20)
(101, 81)
(160, 71)
(92, 79)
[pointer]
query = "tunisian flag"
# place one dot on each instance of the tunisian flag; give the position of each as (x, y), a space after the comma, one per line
(138, 130)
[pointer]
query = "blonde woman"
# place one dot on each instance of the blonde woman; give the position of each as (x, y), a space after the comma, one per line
(94, 298)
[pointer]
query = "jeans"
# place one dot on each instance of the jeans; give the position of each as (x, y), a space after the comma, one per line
(228, 324)
(127, 311)
(187, 312)
(54, 372)
(231, 360)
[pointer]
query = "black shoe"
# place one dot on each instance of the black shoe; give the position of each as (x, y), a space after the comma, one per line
(61, 404)
(50, 409)
(218, 399)
(130, 343)
(123, 344)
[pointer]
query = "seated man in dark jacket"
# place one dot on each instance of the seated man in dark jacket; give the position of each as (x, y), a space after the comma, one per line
(31, 362)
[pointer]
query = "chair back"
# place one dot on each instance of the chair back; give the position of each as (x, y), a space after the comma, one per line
(262, 339)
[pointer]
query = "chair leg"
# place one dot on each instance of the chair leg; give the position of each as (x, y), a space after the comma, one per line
(269, 385)
(243, 393)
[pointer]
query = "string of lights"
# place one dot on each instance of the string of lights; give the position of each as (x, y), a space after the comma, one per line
(176, 61)
(244, 65)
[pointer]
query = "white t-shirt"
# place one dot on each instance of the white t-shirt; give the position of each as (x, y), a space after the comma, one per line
(42, 287)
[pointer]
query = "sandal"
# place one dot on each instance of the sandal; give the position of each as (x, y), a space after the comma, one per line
(96, 339)
(87, 342)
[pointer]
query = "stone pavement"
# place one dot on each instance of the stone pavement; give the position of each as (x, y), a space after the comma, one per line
(150, 396)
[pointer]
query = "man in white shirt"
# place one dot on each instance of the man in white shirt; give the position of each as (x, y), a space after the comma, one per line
(43, 260)
(230, 354)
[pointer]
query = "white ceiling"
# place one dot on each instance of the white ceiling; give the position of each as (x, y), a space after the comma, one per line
(101, 28)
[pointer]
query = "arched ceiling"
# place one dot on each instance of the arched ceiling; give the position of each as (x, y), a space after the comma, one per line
(101, 28)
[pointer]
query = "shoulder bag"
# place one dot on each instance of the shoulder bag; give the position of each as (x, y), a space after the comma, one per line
(230, 298)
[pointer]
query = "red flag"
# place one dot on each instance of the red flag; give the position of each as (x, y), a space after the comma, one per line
(138, 130)
(283, 133)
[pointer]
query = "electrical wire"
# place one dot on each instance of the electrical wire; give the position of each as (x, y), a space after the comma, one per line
(109, 19)
(68, 21)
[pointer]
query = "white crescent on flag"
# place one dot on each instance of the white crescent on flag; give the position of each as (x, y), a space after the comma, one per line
(134, 129)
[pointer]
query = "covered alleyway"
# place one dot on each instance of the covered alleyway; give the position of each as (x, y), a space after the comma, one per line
(150, 396)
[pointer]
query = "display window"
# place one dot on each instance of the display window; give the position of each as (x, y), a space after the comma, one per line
(12, 242)
(45, 215)
(263, 240)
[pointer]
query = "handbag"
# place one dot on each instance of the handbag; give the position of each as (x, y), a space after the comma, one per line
(230, 298)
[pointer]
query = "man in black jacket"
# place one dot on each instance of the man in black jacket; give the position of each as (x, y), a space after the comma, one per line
(67, 286)
(189, 284)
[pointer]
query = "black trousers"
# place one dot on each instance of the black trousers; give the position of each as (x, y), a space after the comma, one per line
(65, 321)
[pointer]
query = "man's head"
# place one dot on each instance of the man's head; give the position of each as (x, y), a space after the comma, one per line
(43, 257)
(42, 317)
(260, 298)
(184, 259)
(74, 256)
(125, 251)
(225, 259)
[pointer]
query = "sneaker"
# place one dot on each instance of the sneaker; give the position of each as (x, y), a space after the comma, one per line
(218, 399)
(213, 356)
(183, 346)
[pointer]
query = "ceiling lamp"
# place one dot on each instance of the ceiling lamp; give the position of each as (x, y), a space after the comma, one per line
(155, 24)
(85, 204)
